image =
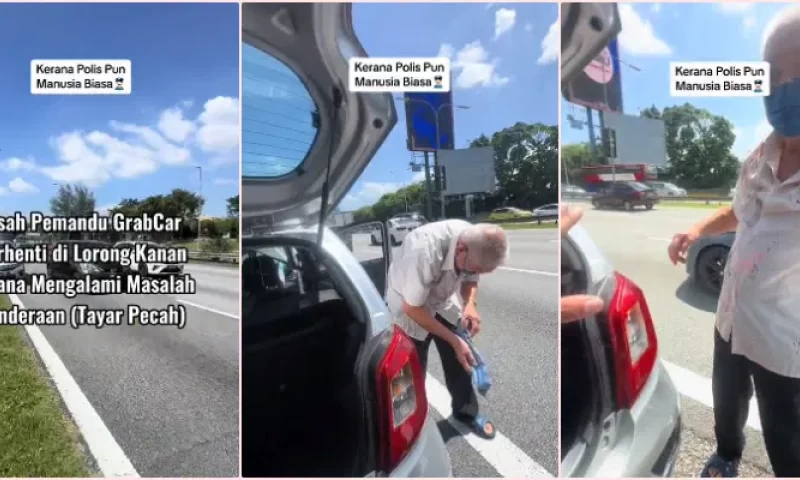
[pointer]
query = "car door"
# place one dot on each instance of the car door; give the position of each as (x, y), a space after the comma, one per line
(374, 258)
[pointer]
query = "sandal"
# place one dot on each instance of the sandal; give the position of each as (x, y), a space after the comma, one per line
(480, 426)
(717, 466)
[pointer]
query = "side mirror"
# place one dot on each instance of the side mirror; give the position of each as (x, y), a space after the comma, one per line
(586, 29)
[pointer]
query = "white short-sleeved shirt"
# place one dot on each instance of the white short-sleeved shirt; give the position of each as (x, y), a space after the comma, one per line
(423, 273)
(759, 306)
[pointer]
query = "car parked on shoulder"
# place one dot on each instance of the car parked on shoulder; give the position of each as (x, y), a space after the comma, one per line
(330, 388)
(73, 267)
(399, 226)
(666, 189)
(620, 411)
(548, 211)
(625, 195)
(574, 192)
(13, 270)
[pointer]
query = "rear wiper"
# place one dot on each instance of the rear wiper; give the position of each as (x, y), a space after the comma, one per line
(337, 103)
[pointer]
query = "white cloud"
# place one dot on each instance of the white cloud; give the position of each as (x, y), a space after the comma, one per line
(550, 44)
(638, 37)
(734, 7)
(504, 20)
(174, 126)
(18, 185)
(131, 151)
(369, 193)
(15, 164)
(419, 177)
(473, 66)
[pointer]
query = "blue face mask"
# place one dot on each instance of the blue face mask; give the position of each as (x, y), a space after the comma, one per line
(783, 108)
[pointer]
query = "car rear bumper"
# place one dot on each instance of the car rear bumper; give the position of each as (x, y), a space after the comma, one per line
(656, 421)
(429, 457)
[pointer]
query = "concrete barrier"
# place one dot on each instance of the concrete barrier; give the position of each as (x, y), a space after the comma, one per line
(231, 258)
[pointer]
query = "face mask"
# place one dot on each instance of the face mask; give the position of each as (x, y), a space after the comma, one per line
(466, 273)
(783, 108)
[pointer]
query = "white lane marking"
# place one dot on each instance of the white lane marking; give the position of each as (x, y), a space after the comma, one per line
(698, 388)
(660, 239)
(525, 270)
(209, 309)
(500, 452)
(104, 448)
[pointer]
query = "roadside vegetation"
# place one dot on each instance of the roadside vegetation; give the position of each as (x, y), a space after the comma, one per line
(37, 437)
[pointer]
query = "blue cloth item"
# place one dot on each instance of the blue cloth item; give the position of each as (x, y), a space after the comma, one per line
(783, 108)
(480, 374)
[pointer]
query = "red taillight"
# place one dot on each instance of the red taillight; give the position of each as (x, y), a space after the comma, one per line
(633, 339)
(402, 400)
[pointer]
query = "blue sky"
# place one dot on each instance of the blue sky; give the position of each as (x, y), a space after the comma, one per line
(655, 34)
(182, 112)
(505, 71)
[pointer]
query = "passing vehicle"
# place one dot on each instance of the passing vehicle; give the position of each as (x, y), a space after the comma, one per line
(329, 387)
(512, 211)
(666, 189)
(399, 226)
(625, 195)
(73, 268)
(548, 211)
(150, 269)
(706, 261)
(620, 411)
(12, 270)
(574, 192)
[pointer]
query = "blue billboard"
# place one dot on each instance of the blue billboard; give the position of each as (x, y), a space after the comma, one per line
(429, 121)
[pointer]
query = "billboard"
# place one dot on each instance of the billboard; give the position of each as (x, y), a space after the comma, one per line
(639, 140)
(468, 170)
(429, 121)
(599, 85)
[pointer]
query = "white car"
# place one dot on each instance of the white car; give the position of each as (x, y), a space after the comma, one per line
(11, 269)
(147, 269)
(732, 192)
(398, 227)
(546, 211)
(574, 192)
(666, 189)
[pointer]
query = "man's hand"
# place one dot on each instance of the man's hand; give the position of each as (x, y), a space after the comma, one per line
(680, 245)
(576, 307)
(472, 319)
(463, 353)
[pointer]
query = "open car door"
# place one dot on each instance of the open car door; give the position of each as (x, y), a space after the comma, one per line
(374, 258)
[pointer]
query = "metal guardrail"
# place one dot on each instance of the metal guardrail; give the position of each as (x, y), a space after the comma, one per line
(537, 219)
(231, 258)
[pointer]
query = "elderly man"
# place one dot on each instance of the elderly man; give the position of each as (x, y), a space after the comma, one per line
(758, 317)
(433, 285)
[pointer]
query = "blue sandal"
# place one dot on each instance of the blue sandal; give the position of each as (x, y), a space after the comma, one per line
(480, 426)
(718, 467)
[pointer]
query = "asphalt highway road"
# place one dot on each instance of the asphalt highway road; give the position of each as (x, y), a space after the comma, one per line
(636, 245)
(519, 342)
(169, 397)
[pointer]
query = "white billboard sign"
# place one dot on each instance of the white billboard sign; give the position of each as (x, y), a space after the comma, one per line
(468, 170)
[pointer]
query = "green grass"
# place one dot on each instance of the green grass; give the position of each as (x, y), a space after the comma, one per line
(37, 438)
(528, 226)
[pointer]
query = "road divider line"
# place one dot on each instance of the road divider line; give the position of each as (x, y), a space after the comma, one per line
(208, 309)
(110, 457)
(698, 388)
(525, 270)
(501, 453)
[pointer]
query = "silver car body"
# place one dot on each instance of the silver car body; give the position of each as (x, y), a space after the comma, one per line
(316, 41)
(641, 441)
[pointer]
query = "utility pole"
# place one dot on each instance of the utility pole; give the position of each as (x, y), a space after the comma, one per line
(428, 204)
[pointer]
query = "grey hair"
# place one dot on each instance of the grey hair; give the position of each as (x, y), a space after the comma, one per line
(487, 245)
(783, 27)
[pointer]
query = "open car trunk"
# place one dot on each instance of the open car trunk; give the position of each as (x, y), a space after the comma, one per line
(585, 381)
(301, 400)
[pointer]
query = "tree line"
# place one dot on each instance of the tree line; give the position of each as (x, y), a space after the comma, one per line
(79, 201)
(699, 148)
(526, 169)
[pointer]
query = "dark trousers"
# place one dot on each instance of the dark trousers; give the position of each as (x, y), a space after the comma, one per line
(778, 404)
(458, 380)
